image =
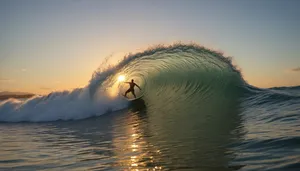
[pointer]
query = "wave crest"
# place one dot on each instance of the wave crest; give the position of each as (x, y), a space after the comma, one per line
(183, 73)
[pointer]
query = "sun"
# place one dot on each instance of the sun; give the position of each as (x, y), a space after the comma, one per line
(121, 78)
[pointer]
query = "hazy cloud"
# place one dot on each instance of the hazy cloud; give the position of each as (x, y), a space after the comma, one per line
(296, 69)
(24, 70)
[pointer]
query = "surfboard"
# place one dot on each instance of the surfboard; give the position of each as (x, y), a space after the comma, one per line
(133, 98)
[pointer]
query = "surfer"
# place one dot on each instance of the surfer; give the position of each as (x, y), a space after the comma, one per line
(131, 88)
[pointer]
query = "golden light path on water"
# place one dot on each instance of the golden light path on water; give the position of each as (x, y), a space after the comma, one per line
(133, 151)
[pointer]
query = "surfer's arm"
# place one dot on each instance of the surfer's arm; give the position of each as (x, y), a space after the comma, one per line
(138, 86)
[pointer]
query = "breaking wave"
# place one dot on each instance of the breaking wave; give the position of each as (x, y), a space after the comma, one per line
(179, 74)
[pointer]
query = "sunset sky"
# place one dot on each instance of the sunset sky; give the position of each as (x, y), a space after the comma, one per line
(57, 44)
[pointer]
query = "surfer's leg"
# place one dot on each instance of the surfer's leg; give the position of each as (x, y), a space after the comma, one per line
(133, 93)
(127, 92)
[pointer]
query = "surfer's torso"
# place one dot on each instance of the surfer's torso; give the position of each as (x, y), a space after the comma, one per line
(131, 84)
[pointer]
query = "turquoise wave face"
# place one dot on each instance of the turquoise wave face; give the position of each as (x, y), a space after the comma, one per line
(178, 75)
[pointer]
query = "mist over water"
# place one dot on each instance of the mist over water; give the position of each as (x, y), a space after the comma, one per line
(197, 113)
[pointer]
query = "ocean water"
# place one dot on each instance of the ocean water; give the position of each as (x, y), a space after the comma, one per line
(197, 113)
